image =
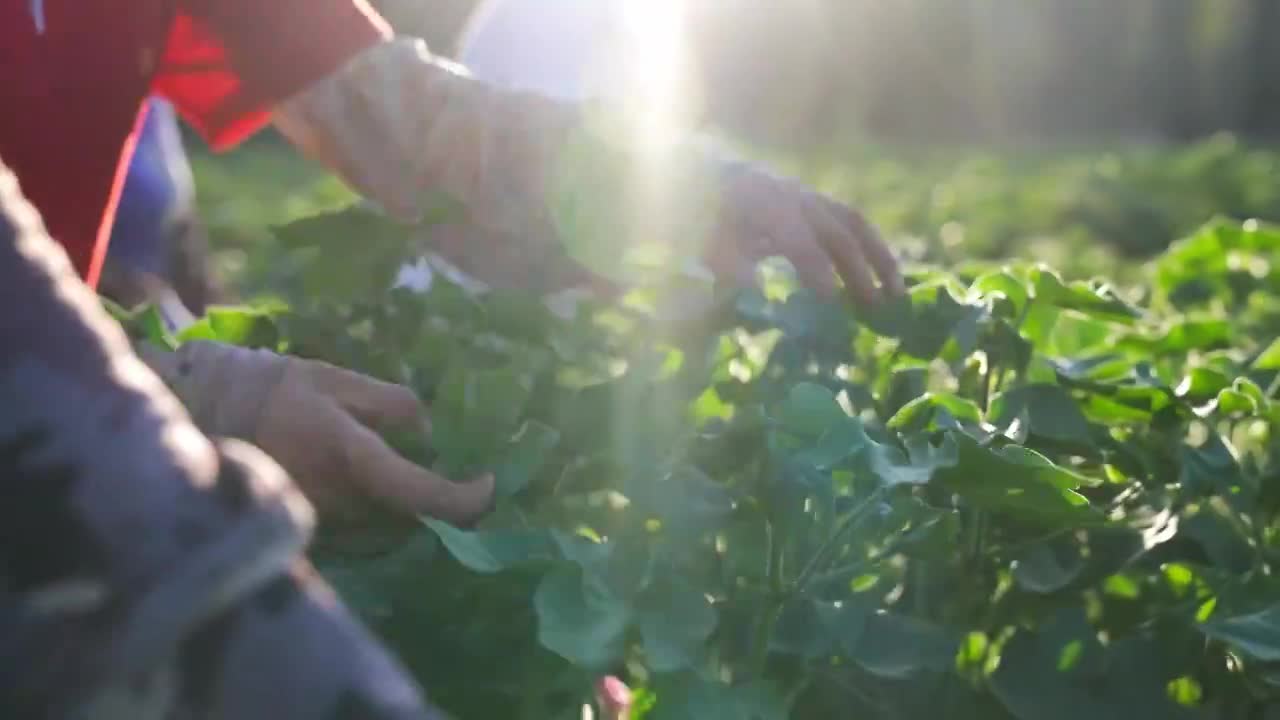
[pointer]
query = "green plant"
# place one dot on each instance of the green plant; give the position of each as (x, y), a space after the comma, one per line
(1006, 496)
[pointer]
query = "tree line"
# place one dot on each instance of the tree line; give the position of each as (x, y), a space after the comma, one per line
(986, 70)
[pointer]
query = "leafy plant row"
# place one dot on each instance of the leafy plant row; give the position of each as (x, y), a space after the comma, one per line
(1006, 496)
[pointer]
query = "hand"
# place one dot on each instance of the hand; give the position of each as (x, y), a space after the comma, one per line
(765, 215)
(318, 422)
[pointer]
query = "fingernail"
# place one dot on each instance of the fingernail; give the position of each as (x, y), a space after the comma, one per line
(467, 518)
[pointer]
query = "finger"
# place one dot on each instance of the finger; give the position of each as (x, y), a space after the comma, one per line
(374, 402)
(875, 249)
(789, 232)
(813, 265)
(845, 251)
(723, 256)
(389, 478)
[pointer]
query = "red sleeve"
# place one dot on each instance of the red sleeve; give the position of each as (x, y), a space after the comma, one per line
(228, 62)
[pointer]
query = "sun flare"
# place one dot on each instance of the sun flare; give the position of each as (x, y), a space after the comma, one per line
(653, 38)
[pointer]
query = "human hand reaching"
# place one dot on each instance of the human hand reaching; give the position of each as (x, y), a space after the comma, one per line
(320, 423)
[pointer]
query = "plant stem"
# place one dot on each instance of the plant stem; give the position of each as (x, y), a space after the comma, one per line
(764, 632)
(986, 391)
(772, 606)
(802, 580)
(975, 544)
(858, 565)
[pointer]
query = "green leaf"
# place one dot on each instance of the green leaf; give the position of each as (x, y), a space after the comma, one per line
(148, 324)
(492, 551)
(1184, 335)
(1050, 412)
(1201, 384)
(201, 329)
(511, 314)
(896, 646)
(1233, 402)
(1212, 469)
(1017, 481)
(350, 254)
(809, 410)
(1048, 566)
(675, 622)
(803, 315)
(936, 323)
(841, 441)
(1269, 358)
(244, 326)
(589, 554)
(475, 412)
(1256, 634)
(686, 501)
(920, 411)
(686, 696)
(890, 318)
(1097, 301)
(528, 453)
(1006, 349)
(809, 628)
(1005, 285)
(579, 621)
(917, 466)
(1061, 672)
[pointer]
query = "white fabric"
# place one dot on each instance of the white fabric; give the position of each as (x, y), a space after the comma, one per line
(567, 49)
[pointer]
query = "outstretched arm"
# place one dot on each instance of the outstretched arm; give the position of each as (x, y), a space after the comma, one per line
(146, 571)
(399, 123)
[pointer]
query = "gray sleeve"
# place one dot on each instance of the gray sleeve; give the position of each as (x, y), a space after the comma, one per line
(146, 571)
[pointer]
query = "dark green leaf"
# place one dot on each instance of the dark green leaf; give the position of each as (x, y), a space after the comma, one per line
(809, 410)
(917, 413)
(1256, 634)
(1100, 302)
(578, 620)
(1060, 672)
(529, 451)
(1018, 481)
(686, 696)
(1048, 566)
(897, 646)
(491, 551)
(917, 466)
(675, 621)
(351, 254)
(1050, 412)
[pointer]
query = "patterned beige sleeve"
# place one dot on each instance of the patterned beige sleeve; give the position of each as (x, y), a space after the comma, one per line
(403, 126)
(399, 123)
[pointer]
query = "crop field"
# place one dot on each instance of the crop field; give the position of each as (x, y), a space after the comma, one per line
(1044, 486)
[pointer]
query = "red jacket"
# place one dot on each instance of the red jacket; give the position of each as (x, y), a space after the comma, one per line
(74, 74)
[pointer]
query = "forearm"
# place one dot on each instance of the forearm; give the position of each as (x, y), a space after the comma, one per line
(399, 123)
(554, 177)
(145, 571)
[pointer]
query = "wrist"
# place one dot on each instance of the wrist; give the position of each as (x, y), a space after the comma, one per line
(223, 387)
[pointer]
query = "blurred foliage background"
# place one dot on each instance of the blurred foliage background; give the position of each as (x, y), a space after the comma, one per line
(967, 69)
